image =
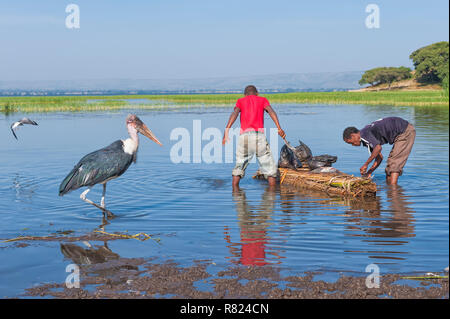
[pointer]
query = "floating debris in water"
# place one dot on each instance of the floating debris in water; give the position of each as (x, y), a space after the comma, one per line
(428, 276)
(138, 236)
(90, 236)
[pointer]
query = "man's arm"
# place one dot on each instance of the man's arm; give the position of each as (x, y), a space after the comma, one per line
(230, 123)
(375, 155)
(376, 163)
(273, 115)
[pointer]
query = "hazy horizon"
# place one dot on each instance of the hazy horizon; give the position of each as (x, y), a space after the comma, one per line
(277, 82)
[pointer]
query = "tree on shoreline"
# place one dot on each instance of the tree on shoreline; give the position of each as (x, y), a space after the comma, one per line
(431, 62)
(385, 75)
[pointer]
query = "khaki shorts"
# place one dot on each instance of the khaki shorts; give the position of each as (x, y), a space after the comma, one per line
(400, 151)
(250, 144)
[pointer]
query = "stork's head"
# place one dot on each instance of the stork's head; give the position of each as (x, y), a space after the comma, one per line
(135, 123)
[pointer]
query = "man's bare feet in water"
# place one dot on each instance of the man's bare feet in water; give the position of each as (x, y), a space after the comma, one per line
(272, 183)
(236, 179)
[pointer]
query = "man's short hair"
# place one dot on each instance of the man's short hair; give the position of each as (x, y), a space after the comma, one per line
(250, 90)
(348, 131)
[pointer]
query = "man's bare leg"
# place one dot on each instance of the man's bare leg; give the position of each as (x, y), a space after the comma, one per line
(392, 179)
(236, 180)
(272, 181)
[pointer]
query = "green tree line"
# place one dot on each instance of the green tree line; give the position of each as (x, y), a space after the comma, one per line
(430, 64)
(385, 75)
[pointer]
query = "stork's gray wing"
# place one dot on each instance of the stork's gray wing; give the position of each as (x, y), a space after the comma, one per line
(97, 167)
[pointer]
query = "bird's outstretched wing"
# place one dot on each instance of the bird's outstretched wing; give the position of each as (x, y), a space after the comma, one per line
(26, 120)
(97, 167)
(15, 125)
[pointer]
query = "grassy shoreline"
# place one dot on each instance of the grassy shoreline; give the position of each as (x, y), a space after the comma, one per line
(116, 102)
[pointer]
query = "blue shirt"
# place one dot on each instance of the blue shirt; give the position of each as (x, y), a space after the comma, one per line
(383, 131)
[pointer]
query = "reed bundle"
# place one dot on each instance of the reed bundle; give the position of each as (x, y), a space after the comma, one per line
(340, 184)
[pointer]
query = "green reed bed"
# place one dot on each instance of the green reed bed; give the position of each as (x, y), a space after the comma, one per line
(117, 102)
(396, 98)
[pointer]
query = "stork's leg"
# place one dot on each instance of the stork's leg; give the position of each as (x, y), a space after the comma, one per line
(105, 211)
(102, 203)
(83, 197)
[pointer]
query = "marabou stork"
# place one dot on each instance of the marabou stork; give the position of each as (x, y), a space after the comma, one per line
(23, 121)
(105, 164)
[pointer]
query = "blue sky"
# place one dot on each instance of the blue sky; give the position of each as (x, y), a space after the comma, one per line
(210, 38)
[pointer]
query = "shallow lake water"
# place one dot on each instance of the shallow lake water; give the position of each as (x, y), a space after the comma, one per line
(190, 207)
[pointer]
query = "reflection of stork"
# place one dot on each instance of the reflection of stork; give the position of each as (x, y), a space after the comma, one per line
(89, 256)
(101, 166)
(23, 121)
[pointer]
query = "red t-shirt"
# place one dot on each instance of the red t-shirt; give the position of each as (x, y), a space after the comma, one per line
(252, 112)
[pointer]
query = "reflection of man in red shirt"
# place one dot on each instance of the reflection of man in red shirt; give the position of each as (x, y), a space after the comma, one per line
(253, 223)
(252, 140)
(253, 248)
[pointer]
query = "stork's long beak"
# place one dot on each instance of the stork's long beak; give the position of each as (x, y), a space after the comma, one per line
(144, 130)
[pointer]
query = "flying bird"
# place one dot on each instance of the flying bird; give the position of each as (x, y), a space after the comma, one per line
(108, 163)
(15, 125)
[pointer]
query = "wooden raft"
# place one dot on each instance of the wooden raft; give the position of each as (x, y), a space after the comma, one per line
(340, 184)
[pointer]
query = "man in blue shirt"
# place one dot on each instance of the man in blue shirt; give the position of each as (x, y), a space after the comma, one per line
(391, 130)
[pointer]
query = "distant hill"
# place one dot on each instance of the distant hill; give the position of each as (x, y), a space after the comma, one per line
(286, 82)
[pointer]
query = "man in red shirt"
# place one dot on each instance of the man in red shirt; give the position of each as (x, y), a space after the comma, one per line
(252, 140)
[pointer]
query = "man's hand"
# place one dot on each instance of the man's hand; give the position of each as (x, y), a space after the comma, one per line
(274, 118)
(225, 137)
(363, 169)
(231, 120)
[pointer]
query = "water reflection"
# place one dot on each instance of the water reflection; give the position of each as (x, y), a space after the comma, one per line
(90, 255)
(386, 226)
(380, 227)
(395, 221)
(402, 214)
(99, 264)
(253, 221)
(435, 118)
